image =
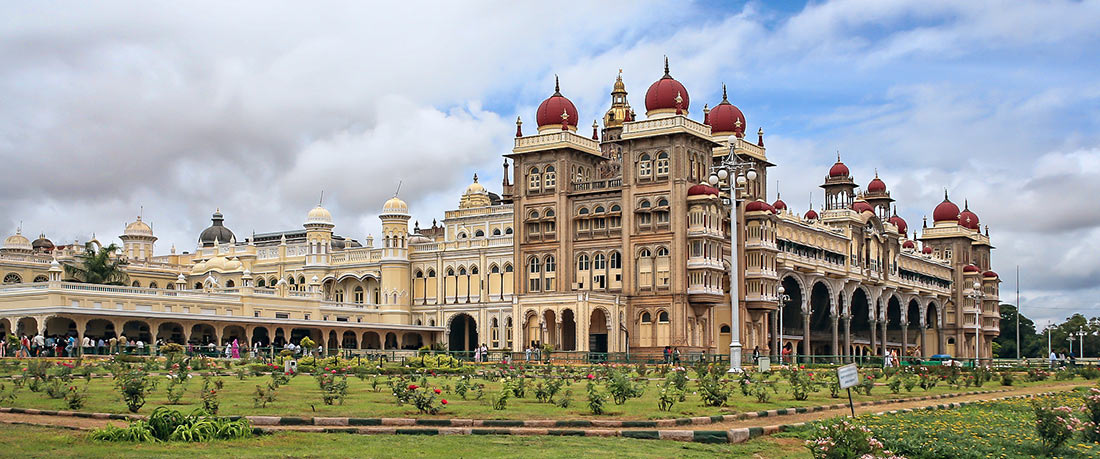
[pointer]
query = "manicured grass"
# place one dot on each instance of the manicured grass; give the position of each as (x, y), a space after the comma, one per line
(986, 429)
(29, 441)
(302, 397)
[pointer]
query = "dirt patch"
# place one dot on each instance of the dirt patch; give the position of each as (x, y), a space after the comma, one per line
(58, 421)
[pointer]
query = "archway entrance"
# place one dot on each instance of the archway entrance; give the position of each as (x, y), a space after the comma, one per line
(821, 322)
(597, 332)
(568, 331)
(462, 335)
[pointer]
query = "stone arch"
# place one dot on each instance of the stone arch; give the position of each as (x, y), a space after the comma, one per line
(791, 315)
(59, 325)
(136, 329)
(202, 333)
(550, 327)
(100, 329)
(371, 340)
(391, 341)
(599, 330)
(27, 326)
(412, 340)
(231, 332)
(462, 332)
(568, 330)
(170, 332)
(820, 326)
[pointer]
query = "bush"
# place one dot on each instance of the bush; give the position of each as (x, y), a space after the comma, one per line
(1092, 406)
(209, 395)
(333, 388)
(713, 390)
(134, 385)
(596, 400)
(1055, 425)
(75, 396)
(802, 384)
(264, 395)
(844, 440)
(1007, 378)
(499, 400)
(622, 388)
(667, 395)
(169, 425)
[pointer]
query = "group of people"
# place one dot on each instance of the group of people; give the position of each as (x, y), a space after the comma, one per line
(672, 355)
(481, 353)
(41, 345)
(1057, 360)
(533, 351)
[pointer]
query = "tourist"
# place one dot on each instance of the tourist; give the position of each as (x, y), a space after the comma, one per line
(668, 354)
(477, 354)
(85, 344)
(4, 345)
(484, 352)
(785, 355)
(25, 347)
(99, 345)
(228, 351)
(140, 346)
(756, 355)
(70, 346)
(236, 349)
(676, 356)
(527, 354)
(38, 344)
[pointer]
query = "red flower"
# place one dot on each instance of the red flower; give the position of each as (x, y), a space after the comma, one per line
(212, 391)
(444, 401)
(333, 371)
(326, 368)
(413, 386)
(802, 367)
(433, 373)
(591, 376)
(438, 391)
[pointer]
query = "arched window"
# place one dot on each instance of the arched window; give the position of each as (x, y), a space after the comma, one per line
(357, 295)
(662, 202)
(533, 265)
(662, 317)
(508, 267)
(616, 260)
(496, 231)
(338, 295)
(479, 233)
(12, 278)
(272, 283)
(461, 271)
(419, 274)
(533, 215)
(549, 213)
(582, 211)
(494, 269)
(645, 253)
(646, 318)
(462, 235)
(228, 284)
(645, 166)
(644, 204)
(431, 273)
(599, 261)
(662, 251)
(534, 180)
(662, 164)
(508, 230)
(198, 285)
(598, 210)
(450, 271)
(549, 177)
(583, 263)
(473, 270)
(301, 280)
(724, 329)
(171, 286)
(549, 263)
(133, 284)
(259, 282)
(616, 208)
(41, 278)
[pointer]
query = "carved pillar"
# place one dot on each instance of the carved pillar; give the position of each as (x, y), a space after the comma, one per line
(775, 350)
(905, 339)
(847, 336)
(923, 331)
(805, 334)
(836, 339)
(874, 337)
(885, 336)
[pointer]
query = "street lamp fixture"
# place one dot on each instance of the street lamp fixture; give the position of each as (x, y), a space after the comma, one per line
(976, 295)
(784, 298)
(742, 172)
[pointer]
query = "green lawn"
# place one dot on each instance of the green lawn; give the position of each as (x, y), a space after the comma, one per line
(986, 429)
(302, 397)
(28, 441)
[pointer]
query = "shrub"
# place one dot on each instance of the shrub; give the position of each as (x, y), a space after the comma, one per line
(1055, 425)
(75, 396)
(910, 382)
(802, 384)
(866, 384)
(622, 388)
(1089, 372)
(264, 395)
(424, 399)
(596, 400)
(209, 394)
(333, 388)
(667, 395)
(545, 392)
(843, 440)
(134, 385)
(760, 385)
(713, 390)
(499, 400)
(1063, 375)
(1037, 374)
(1092, 414)
(894, 384)
(177, 385)
(565, 400)
(7, 396)
(169, 425)
(1007, 378)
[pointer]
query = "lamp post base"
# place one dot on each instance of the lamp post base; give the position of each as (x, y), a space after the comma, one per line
(735, 358)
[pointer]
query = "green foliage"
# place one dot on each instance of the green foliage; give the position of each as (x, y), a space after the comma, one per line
(7, 396)
(667, 395)
(101, 266)
(177, 385)
(499, 400)
(545, 391)
(596, 400)
(843, 440)
(802, 383)
(333, 387)
(622, 388)
(264, 395)
(713, 390)
(894, 384)
(760, 385)
(133, 386)
(209, 394)
(910, 382)
(75, 396)
(169, 425)
(171, 349)
(308, 344)
(1054, 424)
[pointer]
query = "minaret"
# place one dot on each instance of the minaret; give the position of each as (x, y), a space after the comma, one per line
(318, 227)
(839, 187)
(396, 269)
(619, 112)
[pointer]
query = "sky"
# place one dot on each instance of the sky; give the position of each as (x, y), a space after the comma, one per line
(175, 109)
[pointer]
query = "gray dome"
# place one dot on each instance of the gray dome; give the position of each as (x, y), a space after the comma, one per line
(215, 232)
(42, 244)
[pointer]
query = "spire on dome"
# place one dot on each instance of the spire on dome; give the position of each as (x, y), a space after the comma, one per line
(679, 104)
(475, 177)
(666, 68)
(724, 99)
(557, 87)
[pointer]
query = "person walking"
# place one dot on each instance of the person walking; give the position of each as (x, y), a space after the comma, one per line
(676, 356)
(527, 354)
(756, 355)
(1053, 359)
(236, 349)
(668, 355)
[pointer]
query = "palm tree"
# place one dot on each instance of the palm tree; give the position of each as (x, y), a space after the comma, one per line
(98, 266)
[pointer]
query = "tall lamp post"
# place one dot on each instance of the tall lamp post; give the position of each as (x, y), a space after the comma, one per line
(733, 174)
(783, 299)
(976, 295)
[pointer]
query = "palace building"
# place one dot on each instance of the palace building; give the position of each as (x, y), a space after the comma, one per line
(609, 242)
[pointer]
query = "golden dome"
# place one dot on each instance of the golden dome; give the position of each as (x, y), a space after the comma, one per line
(620, 109)
(17, 242)
(138, 228)
(475, 196)
(319, 216)
(395, 206)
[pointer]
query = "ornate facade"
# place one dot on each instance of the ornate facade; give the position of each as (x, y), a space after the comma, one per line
(612, 242)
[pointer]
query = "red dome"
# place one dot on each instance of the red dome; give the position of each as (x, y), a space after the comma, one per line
(550, 110)
(662, 94)
(758, 206)
(876, 185)
(779, 204)
(811, 215)
(903, 228)
(838, 169)
(971, 269)
(990, 274)
(862, 206)
(927, 250)
(726, 118)
(946, 211)
(968, 219)
(702, 189)
(908, 245)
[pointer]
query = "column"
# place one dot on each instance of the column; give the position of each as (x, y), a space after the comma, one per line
(884, 335)
(905, 339)
(81, 328)
(874, 336)
(847, 336)
(775, 349)
(805, 334)
(836, 339)
(923, 331)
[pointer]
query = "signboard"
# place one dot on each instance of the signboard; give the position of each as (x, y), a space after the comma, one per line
(290, 366)
(848, 375)
(764, 364)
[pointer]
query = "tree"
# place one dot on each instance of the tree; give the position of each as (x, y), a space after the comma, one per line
(98, 266)
(1031, 343)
